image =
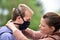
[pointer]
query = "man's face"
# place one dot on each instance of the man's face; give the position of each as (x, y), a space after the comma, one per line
(28, 16)
(26, 20)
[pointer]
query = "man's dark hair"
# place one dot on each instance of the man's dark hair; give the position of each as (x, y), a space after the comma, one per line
(17, 12)
(20, 10)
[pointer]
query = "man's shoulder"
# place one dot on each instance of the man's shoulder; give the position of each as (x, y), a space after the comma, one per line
(5, 29)
(2, 27)
(6, 36)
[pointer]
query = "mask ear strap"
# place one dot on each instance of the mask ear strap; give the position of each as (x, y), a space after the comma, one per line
(21, 14)
(17, 24)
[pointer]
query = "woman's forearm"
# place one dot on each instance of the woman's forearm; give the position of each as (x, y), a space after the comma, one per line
(31, 33)
(19, 35)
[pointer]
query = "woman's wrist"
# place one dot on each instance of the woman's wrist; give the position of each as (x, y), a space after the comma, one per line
(14, 29)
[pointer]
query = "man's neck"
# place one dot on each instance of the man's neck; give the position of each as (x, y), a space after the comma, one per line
(17, 26)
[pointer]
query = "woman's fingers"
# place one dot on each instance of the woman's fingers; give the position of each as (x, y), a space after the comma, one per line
(10, 20)
(11, 26)
(8, 23)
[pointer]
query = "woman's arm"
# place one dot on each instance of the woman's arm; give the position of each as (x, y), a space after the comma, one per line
(28, 32)
(31, 33)
(17, 33)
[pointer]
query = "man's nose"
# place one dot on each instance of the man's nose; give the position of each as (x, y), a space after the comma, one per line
(28, 19)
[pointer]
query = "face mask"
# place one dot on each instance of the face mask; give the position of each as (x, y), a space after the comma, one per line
(24, 25)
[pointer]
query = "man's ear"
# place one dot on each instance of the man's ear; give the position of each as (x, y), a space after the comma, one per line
(18, 18)
(52, 28)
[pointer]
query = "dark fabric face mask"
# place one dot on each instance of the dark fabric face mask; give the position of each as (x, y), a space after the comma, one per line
(24, 25)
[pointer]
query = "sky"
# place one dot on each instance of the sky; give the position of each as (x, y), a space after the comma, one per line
(50, 5)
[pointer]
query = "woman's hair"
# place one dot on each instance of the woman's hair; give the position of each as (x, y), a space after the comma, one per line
(52, 19)
(20, 11)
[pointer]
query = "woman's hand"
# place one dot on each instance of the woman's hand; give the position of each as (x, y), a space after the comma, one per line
(17, 33)
(11, 25)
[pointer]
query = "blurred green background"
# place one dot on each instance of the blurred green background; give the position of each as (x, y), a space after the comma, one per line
(6, 7)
